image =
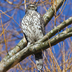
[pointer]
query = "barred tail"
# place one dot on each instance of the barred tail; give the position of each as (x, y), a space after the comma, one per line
(39, 60)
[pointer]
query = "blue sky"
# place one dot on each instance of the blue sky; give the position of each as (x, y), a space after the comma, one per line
(20, 13)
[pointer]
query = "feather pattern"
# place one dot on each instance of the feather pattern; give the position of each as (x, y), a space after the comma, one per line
(33, 29)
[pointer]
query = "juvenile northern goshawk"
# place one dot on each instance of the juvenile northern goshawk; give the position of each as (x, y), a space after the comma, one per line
(33, 29)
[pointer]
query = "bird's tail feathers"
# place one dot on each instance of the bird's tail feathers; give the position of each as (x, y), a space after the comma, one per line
(39, 60)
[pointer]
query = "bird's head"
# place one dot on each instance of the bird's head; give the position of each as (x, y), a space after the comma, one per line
(31, 7)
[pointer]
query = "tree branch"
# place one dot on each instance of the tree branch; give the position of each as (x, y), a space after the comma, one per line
(23, 43)
(4, 66)
(57, 29)
(50, 13)
(16, 49)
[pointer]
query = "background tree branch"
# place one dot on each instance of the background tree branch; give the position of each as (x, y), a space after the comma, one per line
(20, 51)
(32, 49)
(47, 17)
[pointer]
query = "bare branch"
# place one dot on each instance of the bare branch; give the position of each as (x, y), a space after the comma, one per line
(23, 43)
(57, 29)
(4, 66)
(16, 49)
(50, 13)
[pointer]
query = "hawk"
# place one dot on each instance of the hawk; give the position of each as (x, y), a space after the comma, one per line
(33, 29)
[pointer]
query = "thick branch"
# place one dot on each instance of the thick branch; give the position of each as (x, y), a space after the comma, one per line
(4, 66)
(16, 49)
(57, 29)
(49, 14)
